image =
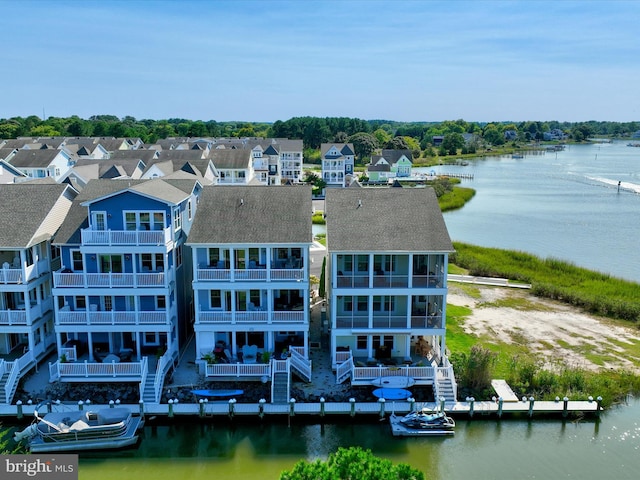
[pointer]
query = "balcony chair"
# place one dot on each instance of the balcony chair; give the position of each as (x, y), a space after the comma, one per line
(249, 354)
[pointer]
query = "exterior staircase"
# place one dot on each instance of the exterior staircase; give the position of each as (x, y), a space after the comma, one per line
(3, 382)
(444, 389)
(149, 390)
(280, 388)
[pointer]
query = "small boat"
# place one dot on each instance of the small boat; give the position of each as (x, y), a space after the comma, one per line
(422, 423)
(394, 382)
(217, 393)
(105, 429)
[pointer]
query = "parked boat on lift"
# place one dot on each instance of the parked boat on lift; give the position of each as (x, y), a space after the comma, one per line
(422, 423)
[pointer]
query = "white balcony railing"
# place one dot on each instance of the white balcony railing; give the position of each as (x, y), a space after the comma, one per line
(97, 372)
(84, 317)
(110, 280)
(225, 275)
(126, 237)
(25, 314)
(261, 317)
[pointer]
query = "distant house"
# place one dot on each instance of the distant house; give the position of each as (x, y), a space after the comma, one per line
(232, 166)
(337, 163)
(510, 135)
(43, 163)
(555, 134)
(390, 164)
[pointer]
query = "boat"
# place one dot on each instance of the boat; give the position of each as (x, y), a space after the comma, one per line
(104, 429)
(394, 382)
(217, 393)
(422, 423)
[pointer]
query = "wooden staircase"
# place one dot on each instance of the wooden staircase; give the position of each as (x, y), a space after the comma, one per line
(3, 382)
(445, 389)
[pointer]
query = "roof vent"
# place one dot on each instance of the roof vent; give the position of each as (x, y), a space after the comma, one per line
(241, 201)
(359, 203)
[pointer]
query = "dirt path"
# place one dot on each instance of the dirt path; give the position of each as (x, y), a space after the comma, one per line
(552, 330)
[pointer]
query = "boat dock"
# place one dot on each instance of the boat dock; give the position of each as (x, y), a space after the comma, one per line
(468, 408)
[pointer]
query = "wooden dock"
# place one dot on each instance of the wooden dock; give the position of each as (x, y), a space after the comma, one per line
(469, 408)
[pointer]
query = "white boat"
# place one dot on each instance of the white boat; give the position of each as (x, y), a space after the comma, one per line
(394, 382)
(105, 429)
(423, 423)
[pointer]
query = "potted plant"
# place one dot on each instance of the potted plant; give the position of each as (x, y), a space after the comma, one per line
(266, 357)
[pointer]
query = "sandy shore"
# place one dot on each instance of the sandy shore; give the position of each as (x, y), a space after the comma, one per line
(553, 331)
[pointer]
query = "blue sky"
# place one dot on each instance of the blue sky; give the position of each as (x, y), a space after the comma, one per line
(256, 60)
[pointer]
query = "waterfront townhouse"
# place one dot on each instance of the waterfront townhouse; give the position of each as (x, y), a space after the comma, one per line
(250, 249)
(337, 163)
(30, 214)
(387, 268)
(122, 296)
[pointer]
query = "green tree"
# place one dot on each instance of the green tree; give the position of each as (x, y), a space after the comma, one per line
(364, 144)
(43, 131)
(353, 463)
(452, 142)
(322, 289)
(493, 136)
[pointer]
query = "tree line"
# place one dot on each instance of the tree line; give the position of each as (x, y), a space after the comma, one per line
(366, 135)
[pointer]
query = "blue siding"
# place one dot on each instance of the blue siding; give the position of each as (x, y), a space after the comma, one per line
(131, 202)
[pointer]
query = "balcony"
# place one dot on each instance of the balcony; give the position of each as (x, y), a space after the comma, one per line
(257, 318)
(12, 274)
(280, 271)
(126, 237)
(25, 315)
(98, 372)
(115, 318)
(65, 279)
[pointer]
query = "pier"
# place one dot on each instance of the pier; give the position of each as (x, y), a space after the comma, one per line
(470, 408)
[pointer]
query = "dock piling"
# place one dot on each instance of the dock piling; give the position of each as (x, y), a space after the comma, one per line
(565, 406)
(531, 402)
(19, 408)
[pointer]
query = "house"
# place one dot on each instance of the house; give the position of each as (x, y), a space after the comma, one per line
(30, 214)
(510, 135)
(387, 282)
(9, 173)
(390, 164)
(232, 166)
(123, 289)
(250, 251)
(42, 163)
(337, 163)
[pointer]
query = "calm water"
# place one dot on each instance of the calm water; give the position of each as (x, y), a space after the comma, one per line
(564, 205)
(480, 449)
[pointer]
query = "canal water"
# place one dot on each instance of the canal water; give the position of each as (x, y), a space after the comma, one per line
(480, 449)
(564, 205)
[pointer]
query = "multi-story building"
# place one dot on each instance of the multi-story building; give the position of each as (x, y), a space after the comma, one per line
(30, 214)
(387, 271)
(337, 163)
(123, 293)
(250, 250)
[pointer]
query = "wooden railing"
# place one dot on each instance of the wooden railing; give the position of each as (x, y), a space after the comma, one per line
(134, 317)
(250, 317)
(242, 275)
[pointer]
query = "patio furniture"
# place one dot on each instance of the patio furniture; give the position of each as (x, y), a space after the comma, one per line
(249, 353)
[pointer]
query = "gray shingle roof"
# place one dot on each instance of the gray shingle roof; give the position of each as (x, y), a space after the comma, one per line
(23, 208)
(230, 158)
(253, 215)
(34, 158)
(378, 220)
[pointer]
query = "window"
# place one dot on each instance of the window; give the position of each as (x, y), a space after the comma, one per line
(383, 303)
(99, 221)
(76, 261)
(189, 210)
(361, 342)
(363, 304)
(161, 302)
(348, 304)
(81, 303)
(130, 221)
(107, 303)
(215, 299)
(111, 264)
(177, 219)
(178, 256)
